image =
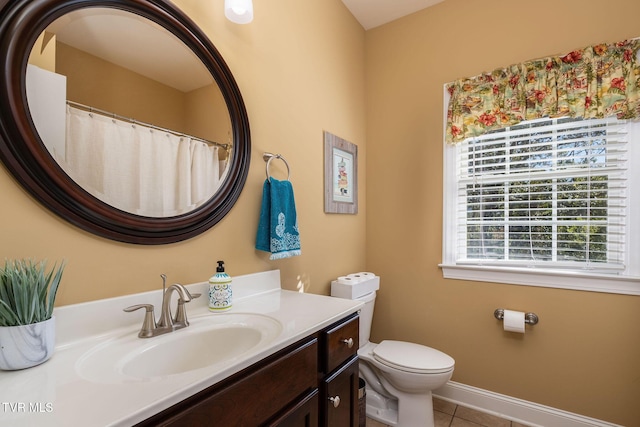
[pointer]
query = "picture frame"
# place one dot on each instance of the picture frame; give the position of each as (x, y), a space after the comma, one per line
(340, 175)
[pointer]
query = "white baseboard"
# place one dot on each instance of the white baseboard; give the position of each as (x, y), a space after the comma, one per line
(511, 408)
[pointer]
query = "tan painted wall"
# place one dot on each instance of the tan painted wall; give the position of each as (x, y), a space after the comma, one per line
(300, 68)
(101, 84)
(584, 355)
(43, 54)
(207, 116)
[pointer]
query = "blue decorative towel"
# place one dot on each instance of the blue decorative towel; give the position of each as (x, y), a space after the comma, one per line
(278, 227)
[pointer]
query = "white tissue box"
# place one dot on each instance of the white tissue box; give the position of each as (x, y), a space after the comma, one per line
(353, 289)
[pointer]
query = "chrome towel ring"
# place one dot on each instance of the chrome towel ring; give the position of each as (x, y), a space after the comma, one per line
(268, 157)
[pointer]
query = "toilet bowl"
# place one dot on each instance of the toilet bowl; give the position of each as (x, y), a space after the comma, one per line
(399, 376)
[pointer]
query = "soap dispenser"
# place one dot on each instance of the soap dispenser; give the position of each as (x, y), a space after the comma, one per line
(220, 293)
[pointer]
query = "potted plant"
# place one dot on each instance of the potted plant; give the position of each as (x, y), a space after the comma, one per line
(27, 324)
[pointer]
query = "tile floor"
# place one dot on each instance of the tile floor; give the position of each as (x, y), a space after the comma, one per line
(449, 414)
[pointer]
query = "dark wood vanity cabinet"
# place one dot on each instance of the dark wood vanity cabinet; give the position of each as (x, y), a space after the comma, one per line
(339, 375)
(291, 388)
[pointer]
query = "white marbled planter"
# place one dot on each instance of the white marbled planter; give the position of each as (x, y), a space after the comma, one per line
(27, 345)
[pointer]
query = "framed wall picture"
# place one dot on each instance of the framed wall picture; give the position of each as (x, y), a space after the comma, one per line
(340, 175)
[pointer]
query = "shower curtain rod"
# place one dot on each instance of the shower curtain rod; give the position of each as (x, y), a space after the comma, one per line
(134, 121)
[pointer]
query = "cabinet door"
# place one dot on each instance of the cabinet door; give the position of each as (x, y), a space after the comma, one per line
(303, 414)
(252, 399)
(339, 400)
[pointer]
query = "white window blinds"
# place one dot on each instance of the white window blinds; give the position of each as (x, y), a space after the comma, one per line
(547, 192)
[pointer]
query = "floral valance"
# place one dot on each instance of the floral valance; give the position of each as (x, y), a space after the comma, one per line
(598, 81)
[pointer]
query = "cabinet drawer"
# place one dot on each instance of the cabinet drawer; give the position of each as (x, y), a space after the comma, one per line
(341, 343)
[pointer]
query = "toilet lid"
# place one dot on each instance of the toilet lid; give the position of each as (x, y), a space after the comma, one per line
(411, 357)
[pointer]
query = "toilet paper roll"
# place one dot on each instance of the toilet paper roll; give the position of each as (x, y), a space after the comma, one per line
(361, 276)
(348, 280)
(513, 321)
(364, 274)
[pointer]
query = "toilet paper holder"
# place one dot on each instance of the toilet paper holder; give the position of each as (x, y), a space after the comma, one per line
(529, 318)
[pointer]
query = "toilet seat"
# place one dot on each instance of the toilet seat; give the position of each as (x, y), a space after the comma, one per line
(411, 357)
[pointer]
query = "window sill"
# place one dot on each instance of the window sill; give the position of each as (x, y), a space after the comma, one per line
(613, 284)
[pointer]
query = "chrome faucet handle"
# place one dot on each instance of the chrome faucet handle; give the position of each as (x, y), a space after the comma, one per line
(149, 322)
(184, 293)
(189, 296)
(180, 317)
(181, 314)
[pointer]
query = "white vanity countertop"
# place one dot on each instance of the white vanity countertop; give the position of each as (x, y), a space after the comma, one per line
(57, 394)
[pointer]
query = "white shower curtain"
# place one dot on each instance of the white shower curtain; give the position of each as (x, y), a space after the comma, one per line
(139, 169)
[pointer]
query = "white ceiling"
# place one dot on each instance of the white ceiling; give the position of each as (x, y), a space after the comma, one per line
(134, 43)
(372, 13)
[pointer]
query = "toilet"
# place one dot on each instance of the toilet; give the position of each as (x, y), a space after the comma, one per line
(399, 376)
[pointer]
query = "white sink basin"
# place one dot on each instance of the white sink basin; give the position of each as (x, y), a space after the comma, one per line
(209, 340)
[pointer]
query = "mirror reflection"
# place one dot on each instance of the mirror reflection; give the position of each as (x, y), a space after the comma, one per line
(129, 112)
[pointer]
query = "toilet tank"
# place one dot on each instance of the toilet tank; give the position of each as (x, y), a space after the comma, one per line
(366, 317)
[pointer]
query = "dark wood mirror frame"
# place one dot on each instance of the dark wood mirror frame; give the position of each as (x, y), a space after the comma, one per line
(26, 158)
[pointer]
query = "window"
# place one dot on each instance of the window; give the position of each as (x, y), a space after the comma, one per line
(545, 202)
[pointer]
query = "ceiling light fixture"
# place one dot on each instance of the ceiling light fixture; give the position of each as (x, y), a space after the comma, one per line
(239, 11)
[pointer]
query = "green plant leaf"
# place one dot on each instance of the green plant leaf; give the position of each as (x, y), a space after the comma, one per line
(53, 289)
(27, 291)
(8, 317)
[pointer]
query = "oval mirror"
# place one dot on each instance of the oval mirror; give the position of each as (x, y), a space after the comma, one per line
(123, 117)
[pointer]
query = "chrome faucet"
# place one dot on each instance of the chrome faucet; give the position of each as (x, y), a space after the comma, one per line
(166, 323)
(180, 319)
